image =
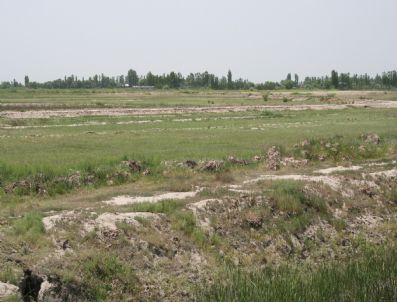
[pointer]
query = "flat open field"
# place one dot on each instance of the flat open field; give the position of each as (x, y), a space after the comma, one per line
(180, 192)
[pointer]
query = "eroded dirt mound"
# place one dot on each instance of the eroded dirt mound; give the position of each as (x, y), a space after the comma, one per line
(273, 158)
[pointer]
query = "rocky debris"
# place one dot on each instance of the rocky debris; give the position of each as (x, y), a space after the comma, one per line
(236, 161)
(292, 162)
(305, 143)
(133, 165)
(257, 158)
(253, 220)
(368, 191)
(199, 211)
(53, 289)
(117, 175)
(212, 165)
(318, 232)
(10, 188)
(273, 158)
(388, 174)
(76, 179)
(201, 205)
(371, 138)
(369, 220)
(108, 221)
(30, 286)
(27, 186)
(7, 290)
(190, 164)
(146, 172)
(51, 221)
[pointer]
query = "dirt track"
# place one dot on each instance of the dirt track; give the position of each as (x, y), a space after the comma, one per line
(176, 110)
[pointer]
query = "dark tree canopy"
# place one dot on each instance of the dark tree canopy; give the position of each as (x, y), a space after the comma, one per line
(206, 80)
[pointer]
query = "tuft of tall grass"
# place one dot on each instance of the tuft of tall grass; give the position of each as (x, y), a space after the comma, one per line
(300, 208)
(289, 196)
(185, 222)
(371, 277)
(102, 271)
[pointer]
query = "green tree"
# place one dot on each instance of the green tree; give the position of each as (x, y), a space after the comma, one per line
(296, 80)
(229, 79)
(122, 81)
(334, 79)
(132, 78)
(26, 81)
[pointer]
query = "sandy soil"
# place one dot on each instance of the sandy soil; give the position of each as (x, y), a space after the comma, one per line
(178, 110)
(125, 200)
(338, 169)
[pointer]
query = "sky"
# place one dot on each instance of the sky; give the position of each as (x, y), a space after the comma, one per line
(259, 40)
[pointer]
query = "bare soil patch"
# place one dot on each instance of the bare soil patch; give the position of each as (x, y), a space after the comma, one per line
(179, 110)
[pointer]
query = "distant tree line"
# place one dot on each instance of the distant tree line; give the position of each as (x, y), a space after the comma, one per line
(342, 81)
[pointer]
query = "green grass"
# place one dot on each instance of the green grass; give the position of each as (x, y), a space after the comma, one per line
(56, 150)
(29, 228)
(299, 208)
(371, 277)
(8, 275)
(185, 222)
(338, 148)
(46, 149)
(98, 275)
(165, 207)
(289, 196)
(13, 298)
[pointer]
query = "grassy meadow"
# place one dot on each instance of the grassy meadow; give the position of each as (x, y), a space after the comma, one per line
(260, 240)
(57, 145)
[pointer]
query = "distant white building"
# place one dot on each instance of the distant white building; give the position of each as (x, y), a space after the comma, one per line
(139, 87)
(143, 87)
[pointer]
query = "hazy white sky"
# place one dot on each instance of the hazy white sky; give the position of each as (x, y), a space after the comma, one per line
(257, 39)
